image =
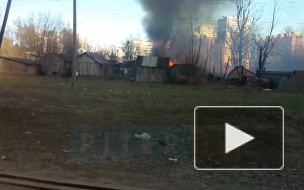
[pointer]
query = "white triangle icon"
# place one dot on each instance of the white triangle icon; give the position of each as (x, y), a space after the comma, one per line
(235, 138)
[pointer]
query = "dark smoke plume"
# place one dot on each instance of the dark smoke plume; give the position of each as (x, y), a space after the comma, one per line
(167, 17)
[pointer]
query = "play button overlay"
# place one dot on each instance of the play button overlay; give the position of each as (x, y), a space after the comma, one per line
(239, 138)
(235, 138)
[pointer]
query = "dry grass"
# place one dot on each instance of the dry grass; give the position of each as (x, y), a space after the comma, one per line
(46, 107)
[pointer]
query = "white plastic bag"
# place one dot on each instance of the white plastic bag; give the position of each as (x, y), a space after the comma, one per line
(143, 136)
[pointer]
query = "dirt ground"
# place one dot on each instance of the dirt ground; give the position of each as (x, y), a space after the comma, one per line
(40, 122)
(10, 187)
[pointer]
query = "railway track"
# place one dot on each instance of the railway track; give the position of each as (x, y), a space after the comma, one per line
(15, 182)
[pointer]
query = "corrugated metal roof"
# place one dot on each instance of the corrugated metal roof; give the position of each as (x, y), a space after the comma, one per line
(96, 58)
(277, 73)
(156, 62)
(24, 61)
(65, 57)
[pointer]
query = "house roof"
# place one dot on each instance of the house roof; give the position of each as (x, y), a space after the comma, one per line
(299, 73)
(127, 64)
(96, 58)
(277, 73)
(23, 61)
(234, 74)
(156, 62)
(64, 57)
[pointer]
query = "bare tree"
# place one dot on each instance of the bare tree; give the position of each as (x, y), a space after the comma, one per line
(113, 56)
(240, 33)
(66, 40)
(88, 46)
(7, 48)
(0, 16)
(25, 37)
(266, 45)
(132, 47)
(288, 30)
(129, 49)
(101, 51)
(39, 34)
(194, 56)
(288, 40)
(47, 31)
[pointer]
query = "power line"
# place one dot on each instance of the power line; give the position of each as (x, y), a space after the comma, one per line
(90, 10)
(142, 18)
(146, 18)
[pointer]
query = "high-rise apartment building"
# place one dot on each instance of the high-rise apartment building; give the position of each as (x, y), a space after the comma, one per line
(227, 33)
(206, 31)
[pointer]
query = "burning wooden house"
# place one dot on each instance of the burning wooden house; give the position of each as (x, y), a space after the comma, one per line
(152, 69)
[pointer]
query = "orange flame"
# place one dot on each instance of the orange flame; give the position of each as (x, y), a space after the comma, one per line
(171, 64)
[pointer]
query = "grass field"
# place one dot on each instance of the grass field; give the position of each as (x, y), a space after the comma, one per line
(45, 107)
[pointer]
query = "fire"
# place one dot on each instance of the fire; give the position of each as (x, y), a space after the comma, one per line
(171, 64)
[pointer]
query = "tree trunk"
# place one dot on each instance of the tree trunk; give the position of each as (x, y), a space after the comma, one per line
(259, 74)
(241, 48)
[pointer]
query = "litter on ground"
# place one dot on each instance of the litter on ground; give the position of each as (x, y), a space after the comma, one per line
(143, 136)
(267, 89)
(65, 151)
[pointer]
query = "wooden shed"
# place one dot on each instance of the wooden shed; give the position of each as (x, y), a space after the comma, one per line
(294, 83)
(55, 64)
(91, 64)
(16, 66)
(298, 74)
(238, 72)
(277, 74)
(128, 70)
(152, 69)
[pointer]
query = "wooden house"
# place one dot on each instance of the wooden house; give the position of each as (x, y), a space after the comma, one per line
(152, 69)
(295, 83)
(277, 74)
(16, 66)
(298, 74)
(55, 64)
(238, 72)
(91, 64)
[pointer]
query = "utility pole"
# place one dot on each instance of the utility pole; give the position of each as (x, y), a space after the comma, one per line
(74, 65)
(226, 68)
(8, 6)
(221, 59)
